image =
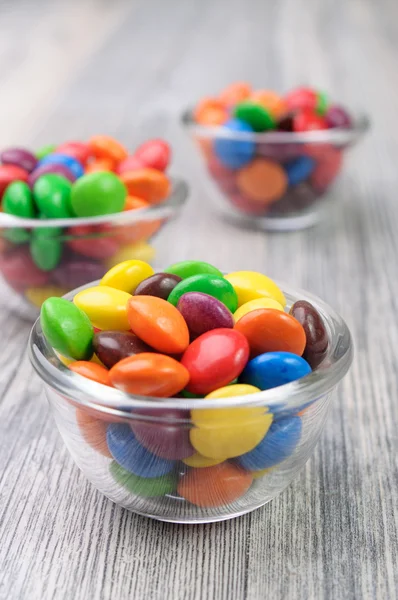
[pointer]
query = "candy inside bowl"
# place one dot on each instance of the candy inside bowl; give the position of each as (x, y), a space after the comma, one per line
(272, 158)
(171, 399)
(70, 219)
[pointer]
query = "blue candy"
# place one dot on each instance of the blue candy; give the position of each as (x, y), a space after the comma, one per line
(272, 369)
(279, 443)
(133, 457)
(67, 161)
(299, 169)
(234, 153)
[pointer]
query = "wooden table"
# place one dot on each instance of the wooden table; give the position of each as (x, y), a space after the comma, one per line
(68, 70)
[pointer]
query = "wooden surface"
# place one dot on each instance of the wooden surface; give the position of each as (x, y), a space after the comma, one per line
(69, 69)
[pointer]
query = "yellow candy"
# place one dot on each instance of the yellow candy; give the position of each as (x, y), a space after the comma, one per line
(198, 461)
(106, 307)
(65, 360)
(38, 295)
(222, 433)
(250, 285)
(256, 304)
(127, 275)
(139, 251)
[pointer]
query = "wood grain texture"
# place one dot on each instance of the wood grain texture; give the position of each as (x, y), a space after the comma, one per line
(127, 68)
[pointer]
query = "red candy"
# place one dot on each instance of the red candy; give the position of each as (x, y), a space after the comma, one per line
(307, 120)
(77, 150)
(97, 245)
(154, 154)
(214, 359)
(131, 163)
(20, 271)
(302, 98)
(10, 173)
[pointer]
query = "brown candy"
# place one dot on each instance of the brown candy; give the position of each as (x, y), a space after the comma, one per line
(159, 285)
(113, 346)
(315, 331)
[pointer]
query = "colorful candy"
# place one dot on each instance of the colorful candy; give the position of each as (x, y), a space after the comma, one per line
(253, 161)
(219, 434)
(80, 180)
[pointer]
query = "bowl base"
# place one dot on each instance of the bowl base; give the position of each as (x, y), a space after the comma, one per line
(294, 222)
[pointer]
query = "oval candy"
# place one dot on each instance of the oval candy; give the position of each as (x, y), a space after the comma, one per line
(214, 486)
(158, 323)
(197, 461)
(18, 200)
(69, 162)
(255, 115)
(44, 150)
(57, 168)
(234, 153)
(137, 250)
(153, 487)
(105, 146)
(127, 275)
(91, 371)
(160, 285)
(189, 268)
(202, 313)
(154, 154)
(19, 157)
(10, 173)
(277, 445)
(213, 285)
(214, 359)
(73, 272)
(262, 181)
(270, 330)
(317, 340)
(93, 431)
(113, 346)
(78, 150)
(229, 432)
(67, 328)
(273, 369)
(98, 194)
(149, 374)
(37, 295)
(52, 196)
(164, 433)
(46, 247)
(149, 184)
(250, 285)
(255, 305)
(133, 457)
(106, 307)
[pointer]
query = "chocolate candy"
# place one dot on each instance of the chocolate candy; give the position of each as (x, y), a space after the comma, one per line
(316, 335)
(202, 313)
(273, 369)
(160, 285)
(67, 328)
(133, 457)
(112, 346)
(19, 157)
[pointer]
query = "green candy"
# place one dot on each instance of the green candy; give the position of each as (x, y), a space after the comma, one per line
(46, 247)
(16, 235)
(18, 200)
(67, 328)
(322, 103)
(254, 115)
(187, 394)
(45, 151)
(98, 194)
(52, 195)
(188, 268)
(148, 488)
(213, 285)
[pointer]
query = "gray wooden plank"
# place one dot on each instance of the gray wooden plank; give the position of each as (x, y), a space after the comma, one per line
(333, 532)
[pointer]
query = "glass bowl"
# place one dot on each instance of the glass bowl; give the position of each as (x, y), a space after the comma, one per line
(283, 177)
(75, 251)
(252, 446)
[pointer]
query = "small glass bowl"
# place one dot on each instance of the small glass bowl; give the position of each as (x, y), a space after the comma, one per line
(88, 247)
(284, 183)
(155, 474)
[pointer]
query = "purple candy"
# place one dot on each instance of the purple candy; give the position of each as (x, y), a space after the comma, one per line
(203, 313)
(19, 157)
(72, 273)
(50, 168)
(164, 439)
(338, 117)
(279, 152)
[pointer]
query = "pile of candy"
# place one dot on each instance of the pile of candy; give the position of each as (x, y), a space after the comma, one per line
(187, 332)
(77, 180)
(270, 177)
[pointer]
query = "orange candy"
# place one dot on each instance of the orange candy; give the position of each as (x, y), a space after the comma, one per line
(104, 146)
(92, 371)
(158, 323)
(214, 486)
(149, 374)
(262, 181)
(270, 101)
(210, 111)
(271, 330)
(132, 202)
(101, 164)
(149, 184)
(235, 93)
(93, 431)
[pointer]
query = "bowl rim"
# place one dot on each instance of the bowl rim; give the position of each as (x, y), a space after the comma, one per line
(175, 200)
(90, 394)
(339, 136)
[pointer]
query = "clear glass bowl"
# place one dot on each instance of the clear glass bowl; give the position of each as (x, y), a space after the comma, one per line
(88, 248)
(150, 437)
(284, 184)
